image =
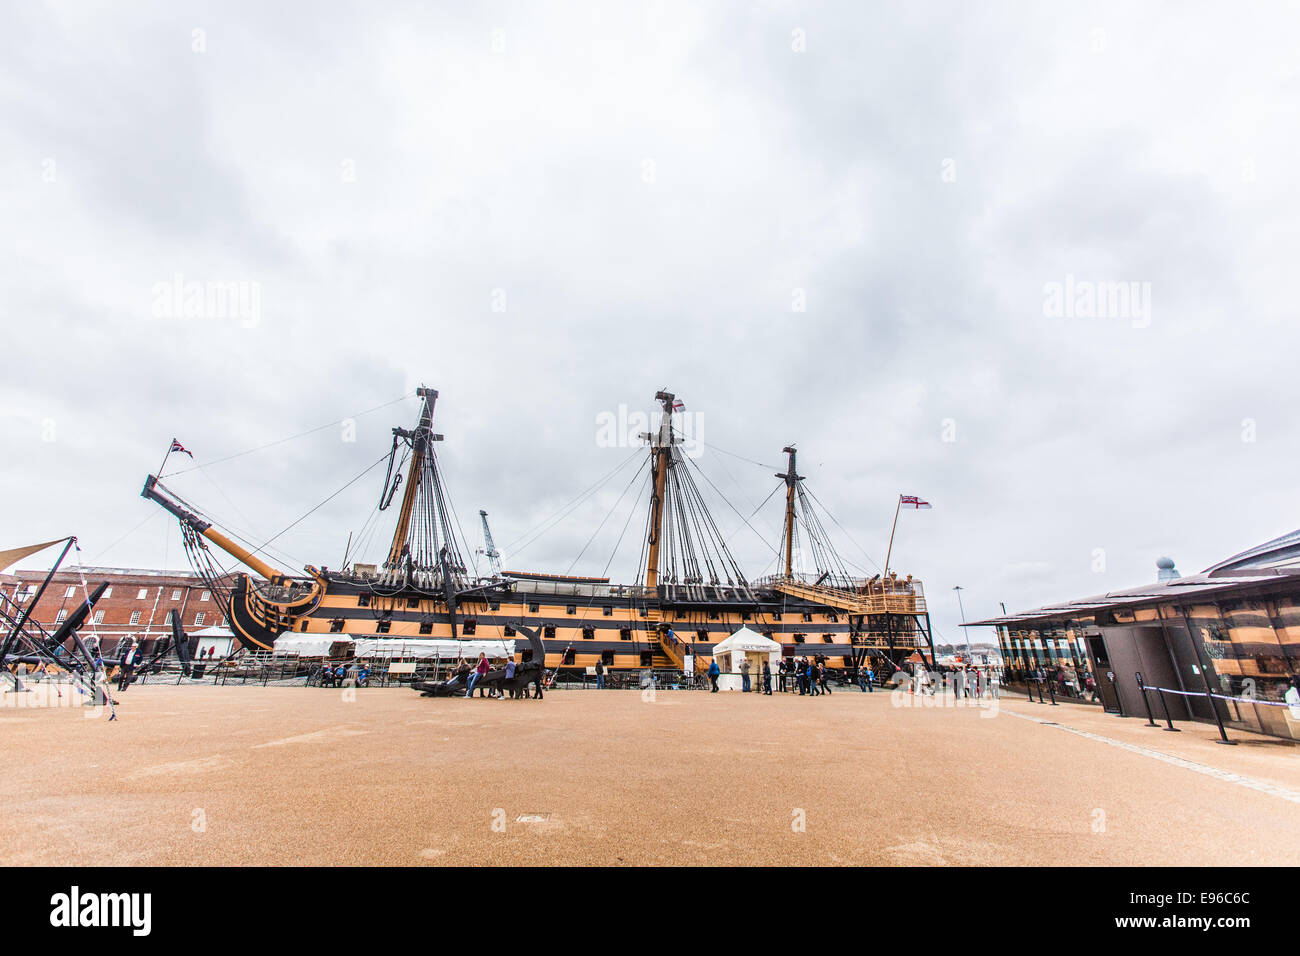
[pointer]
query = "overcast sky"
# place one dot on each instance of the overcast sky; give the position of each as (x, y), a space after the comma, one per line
(839, 225)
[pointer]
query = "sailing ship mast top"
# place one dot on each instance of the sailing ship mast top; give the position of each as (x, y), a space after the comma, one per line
(661, 447)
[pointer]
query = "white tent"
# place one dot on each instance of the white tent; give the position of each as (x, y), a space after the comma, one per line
(313, 645)
(445, 649)
(351, 645)
(745, 645)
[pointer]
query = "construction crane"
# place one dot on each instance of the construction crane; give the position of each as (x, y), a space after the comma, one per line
(490, 549)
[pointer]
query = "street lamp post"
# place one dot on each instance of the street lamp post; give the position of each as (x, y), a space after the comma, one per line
(965, 633)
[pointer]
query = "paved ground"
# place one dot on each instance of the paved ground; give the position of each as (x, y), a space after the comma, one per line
(251, 775)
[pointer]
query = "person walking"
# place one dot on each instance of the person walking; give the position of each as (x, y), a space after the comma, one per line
(714, 671)
(744, 676)
(600, 675)
(767, 679)
(821, 677)
(810, 674)
(130, 657)
(995, 684)
(781, 676)
(871, 680)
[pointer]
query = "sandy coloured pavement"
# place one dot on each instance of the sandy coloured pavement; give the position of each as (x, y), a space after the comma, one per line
(253, 775)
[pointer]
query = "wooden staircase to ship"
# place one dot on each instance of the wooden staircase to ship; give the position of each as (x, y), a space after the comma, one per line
(855, 602)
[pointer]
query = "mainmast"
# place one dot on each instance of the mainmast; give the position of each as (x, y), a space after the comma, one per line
(661, 447)
(419, 439)
(792, 479)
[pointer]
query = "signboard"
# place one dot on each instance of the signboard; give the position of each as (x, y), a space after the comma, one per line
(688, 665)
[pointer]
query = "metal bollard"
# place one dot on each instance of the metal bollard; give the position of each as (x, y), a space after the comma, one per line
(1051, 690)
(1151, 721)
(1165, 707)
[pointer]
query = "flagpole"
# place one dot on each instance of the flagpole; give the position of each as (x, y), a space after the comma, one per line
(165, 457)
(884, 576)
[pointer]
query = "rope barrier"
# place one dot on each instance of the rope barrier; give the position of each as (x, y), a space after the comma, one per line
(1243, 700)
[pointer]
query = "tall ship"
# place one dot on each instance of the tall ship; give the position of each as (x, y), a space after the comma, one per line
(690, 593)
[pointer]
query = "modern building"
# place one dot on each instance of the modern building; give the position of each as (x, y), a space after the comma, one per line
(137, 603)
(1225, 640)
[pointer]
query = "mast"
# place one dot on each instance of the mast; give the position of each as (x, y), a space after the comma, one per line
(792, 479)
(661, 447)
(419, 439)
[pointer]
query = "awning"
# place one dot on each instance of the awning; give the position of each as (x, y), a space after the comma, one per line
(14, 555)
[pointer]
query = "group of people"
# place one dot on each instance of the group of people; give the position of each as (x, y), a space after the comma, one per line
(339, 675)
(809, 675)
(473, 675)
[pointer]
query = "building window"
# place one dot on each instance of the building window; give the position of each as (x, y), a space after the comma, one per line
(205, 595)
(494, 605)
(745, 615)
(176, 594)
(571, 609)
(647, 658)
(61, 616)
(412, 602)
(426, 627)
(625, 633)
(568, 656)
(70, 592)
(198, 618)
(135, 617)
(608, 610)
(108, 592)
(99, 617)
(827, 639)
(607, 657)
(713, 615)
(798, 638)
(141, 594)
(509, 631)
(776, 616)
(548, 631)
(532, 607)
(848, 660)
(588, 633)
(363, 600)
(336, 626)
(470, 625)
(382, 627)
(702, 635)
(807, 616)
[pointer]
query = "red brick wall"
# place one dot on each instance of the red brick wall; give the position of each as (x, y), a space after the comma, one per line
(125, 598)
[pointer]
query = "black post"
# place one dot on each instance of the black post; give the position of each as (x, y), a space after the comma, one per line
(1110, 676)
(1051, 691)
(1165, 707)
(1205, 677)
(1151, 721)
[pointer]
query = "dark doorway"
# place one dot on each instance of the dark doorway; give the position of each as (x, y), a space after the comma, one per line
(1101, 673)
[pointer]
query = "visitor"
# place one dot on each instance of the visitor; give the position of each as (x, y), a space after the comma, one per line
(871, 679)
(995, 684)
(510, 676)
(767, 679)
(781, 676)
(862, 680)
(714, 671)
(744, 675)
(600, 675)
(130, 657)
(477, 674)
(822, 674)
(810, 675)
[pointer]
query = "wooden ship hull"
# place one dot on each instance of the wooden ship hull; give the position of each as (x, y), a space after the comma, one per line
(422, 592)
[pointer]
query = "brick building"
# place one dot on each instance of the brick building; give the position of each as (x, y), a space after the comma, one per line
(137, 603)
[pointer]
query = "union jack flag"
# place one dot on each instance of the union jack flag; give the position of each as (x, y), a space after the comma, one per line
(177, 446)
(912, 501)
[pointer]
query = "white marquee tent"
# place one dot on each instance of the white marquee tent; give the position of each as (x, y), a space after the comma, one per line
(745, 645)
